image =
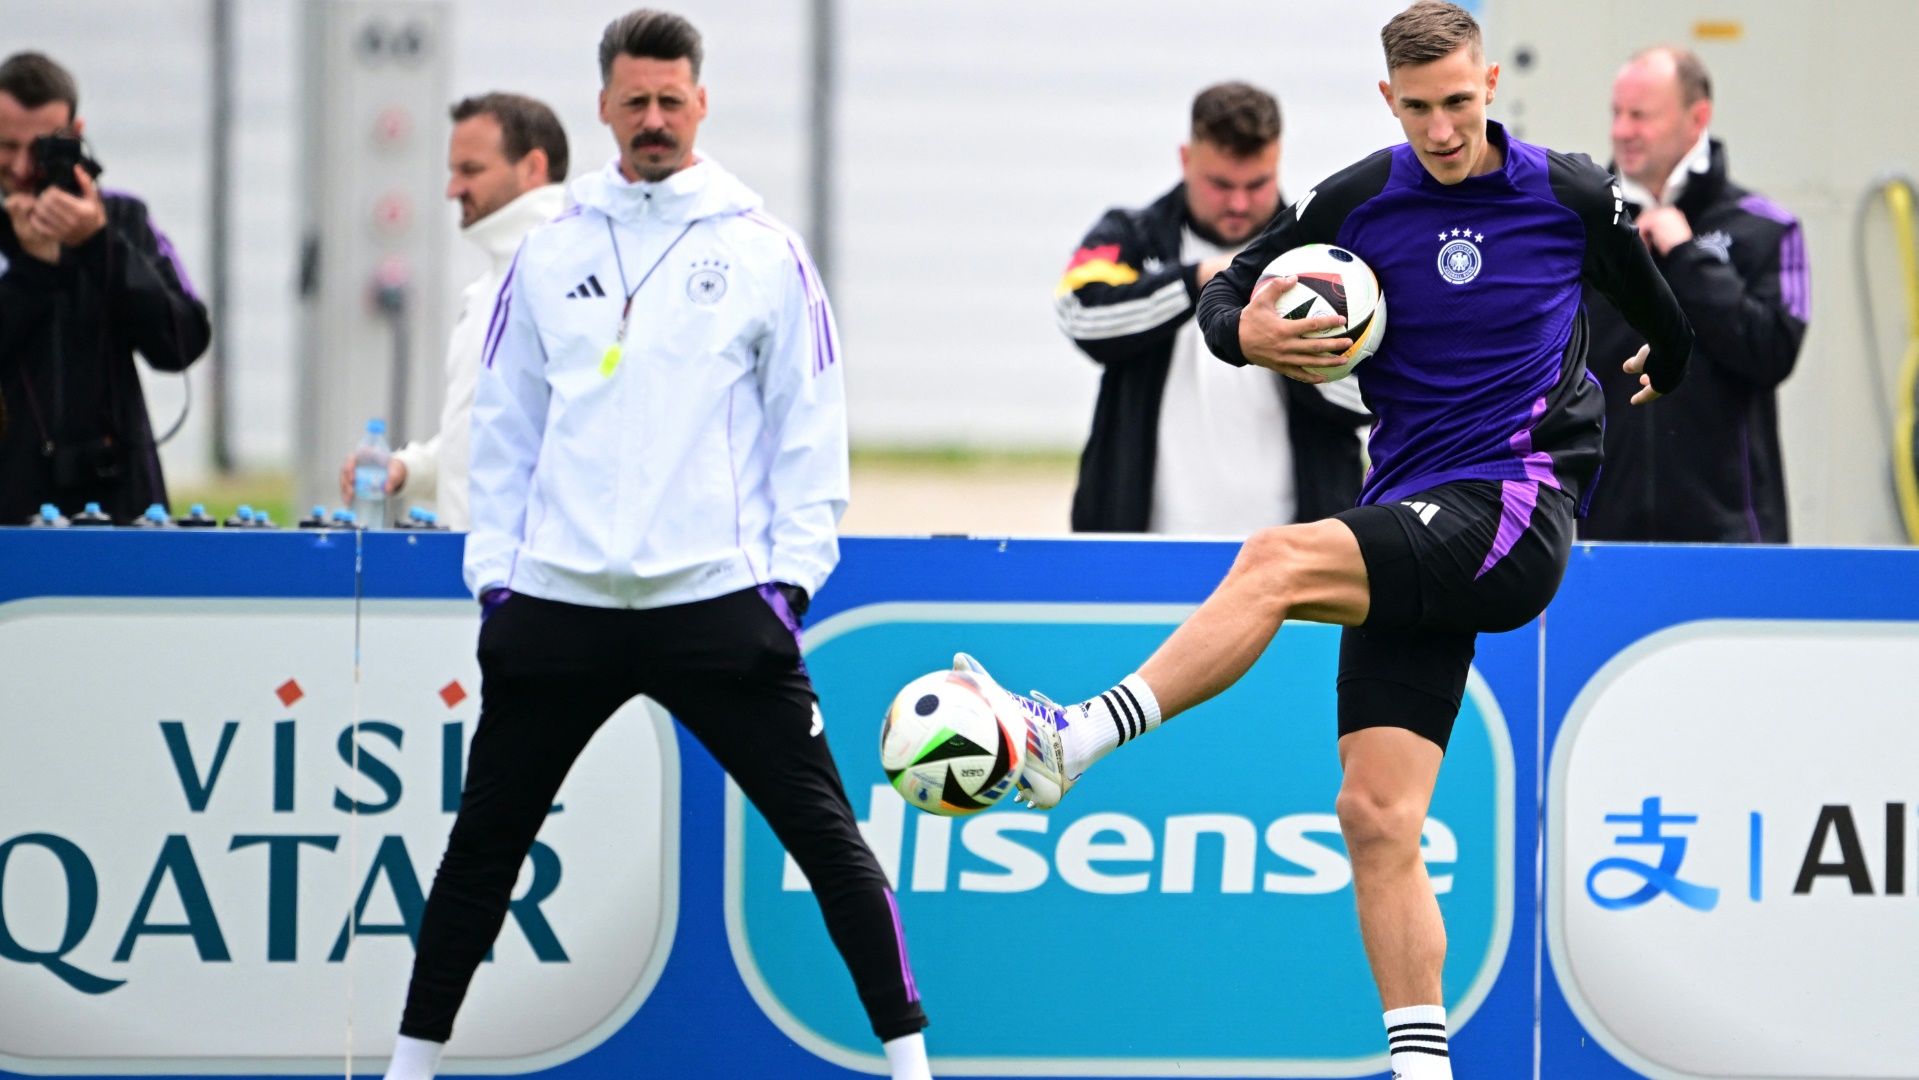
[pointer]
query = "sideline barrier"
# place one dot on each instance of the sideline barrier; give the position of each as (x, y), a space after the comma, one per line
(215, 839)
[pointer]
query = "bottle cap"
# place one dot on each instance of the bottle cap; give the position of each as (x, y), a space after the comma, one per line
(197, 509)
(156, 512)
(344, 516)
(48, 511)
(376, 426)
(92, 508)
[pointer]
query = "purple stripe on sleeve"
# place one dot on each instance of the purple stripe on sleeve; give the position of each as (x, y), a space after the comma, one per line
(502, 306)
(818, 313)
(173, 256)
(1795, 284)
(1516, 501)
(899, 938)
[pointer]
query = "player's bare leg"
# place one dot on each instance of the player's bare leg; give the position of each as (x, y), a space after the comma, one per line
(1312, 571)
(1382, 805)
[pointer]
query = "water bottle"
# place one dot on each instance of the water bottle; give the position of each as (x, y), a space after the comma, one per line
(155, 518)
(317, 520)
(49, 517)
(370, 460)
(242, 518)
(91, 516)
(197, 518)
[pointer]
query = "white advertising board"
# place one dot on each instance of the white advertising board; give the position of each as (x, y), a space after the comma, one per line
(194, 794)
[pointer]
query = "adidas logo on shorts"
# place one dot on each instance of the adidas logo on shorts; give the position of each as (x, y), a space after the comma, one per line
(1424, 510)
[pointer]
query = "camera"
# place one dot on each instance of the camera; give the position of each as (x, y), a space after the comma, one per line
(54, 158)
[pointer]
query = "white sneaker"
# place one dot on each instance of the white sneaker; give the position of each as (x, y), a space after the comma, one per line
(1042, 777)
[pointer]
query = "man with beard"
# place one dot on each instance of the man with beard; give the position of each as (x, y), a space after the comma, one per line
(1182, 444)
(507, 169)
(659, 466)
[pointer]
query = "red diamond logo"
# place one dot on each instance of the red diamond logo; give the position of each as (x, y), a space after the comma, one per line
(452, 693)
(289, 692)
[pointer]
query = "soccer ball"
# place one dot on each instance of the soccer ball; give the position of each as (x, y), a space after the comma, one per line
(1333, 281)
(949, 747)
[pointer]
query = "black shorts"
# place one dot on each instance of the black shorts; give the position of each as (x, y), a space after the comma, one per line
(1444, 566)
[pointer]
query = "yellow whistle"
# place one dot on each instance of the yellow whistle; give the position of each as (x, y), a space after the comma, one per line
(610, 361)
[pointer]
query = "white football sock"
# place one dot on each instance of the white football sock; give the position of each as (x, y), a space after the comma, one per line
(1417, 1038)
(414, 1059)
(907, 1057)
(1097, 725)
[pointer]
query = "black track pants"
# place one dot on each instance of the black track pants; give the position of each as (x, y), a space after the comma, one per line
(729, 670)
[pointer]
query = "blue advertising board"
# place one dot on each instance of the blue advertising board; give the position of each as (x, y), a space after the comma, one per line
(230, 740)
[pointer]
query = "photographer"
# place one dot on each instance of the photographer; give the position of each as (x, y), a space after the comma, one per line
(85, 281)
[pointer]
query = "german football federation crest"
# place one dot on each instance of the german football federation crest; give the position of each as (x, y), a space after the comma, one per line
(707, 285)
(1459, 258)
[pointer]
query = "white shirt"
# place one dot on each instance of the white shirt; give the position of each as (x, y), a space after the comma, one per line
(1697, 162)
(709, 454)
(436, 468)
(1225, 461)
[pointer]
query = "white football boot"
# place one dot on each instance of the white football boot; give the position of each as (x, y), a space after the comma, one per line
(1042, 777)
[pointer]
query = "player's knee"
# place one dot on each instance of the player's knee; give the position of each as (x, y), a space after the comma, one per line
(1270, 560)
(1378, 825)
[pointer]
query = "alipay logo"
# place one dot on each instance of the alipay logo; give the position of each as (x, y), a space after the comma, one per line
(1205, 859)
(1731, 844)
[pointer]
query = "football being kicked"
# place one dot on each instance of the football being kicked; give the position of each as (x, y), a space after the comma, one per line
(1332, 281)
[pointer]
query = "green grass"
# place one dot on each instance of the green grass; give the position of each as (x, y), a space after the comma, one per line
(268, 491)
(961, 459)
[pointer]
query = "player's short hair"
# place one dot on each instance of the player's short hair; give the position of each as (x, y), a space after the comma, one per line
(652, 35)
(1237, 117)
(526, 125)
(33, 80)
(1695, 82)
(1429, 30)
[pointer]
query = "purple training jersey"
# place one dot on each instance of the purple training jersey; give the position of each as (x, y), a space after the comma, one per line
(1482, 372)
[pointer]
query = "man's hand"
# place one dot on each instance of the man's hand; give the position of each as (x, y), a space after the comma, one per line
(1209, 267)
(1281, 344)
(21, 209)
(1637, 366)
(1664, 228)
(395, 478)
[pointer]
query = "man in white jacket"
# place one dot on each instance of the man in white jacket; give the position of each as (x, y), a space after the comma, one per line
(507, 163)
(659, 466)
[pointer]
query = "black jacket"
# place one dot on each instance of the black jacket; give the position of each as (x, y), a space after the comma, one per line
(1703, 464)
(1124, 298)
(77, 428)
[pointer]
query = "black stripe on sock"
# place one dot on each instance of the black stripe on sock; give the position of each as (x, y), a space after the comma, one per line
(1397, 1039)
(1113, 713)
(1135, 724)
(1416, 1027)
(1137, 706)
(1433, 1050)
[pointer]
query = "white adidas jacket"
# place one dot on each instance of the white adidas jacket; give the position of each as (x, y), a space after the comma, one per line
(436, 468)
(712, 456)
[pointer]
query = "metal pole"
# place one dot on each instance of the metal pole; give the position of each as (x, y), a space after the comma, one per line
(825, 69)
(220, 169)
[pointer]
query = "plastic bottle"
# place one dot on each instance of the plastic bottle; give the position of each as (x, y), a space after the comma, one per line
(316, 521)
(49, 517)
(370, 462)
(242, 518)
(263, 520)
(155, 518)
(344, 519)
(431, 521)
(197, 518)
(92, 517)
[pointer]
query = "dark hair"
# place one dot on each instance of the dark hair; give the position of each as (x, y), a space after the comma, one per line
(1236, 117)
(1695, 83)
(33, 80)
(1429, 30)
(525, 125)
(655, 35)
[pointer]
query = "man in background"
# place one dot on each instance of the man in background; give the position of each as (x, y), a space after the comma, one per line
(1704, 464)
(507, 161)
(86, 280)
(1181, 443)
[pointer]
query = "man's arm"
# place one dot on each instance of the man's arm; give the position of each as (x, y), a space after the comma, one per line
(1315, 219)
(1619, 266)
(149, 297)
(1749, 322)
(509, 421)
(1111, 308)
(803, 391)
